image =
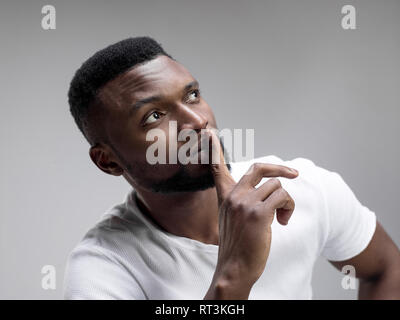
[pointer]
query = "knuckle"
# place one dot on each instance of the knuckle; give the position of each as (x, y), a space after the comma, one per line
(252, 211)
(277, 195)
(229, 201)
(291, 201)
(255, 215)
(239, 205)
(256, 167)
(282, 193)
(275, 183)
(235, 203)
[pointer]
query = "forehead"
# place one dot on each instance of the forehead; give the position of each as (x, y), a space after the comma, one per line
(160, 76)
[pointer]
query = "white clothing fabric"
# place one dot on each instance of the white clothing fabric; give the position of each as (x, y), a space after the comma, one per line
(126, 256)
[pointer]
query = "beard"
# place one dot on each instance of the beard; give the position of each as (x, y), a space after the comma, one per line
(183, 180)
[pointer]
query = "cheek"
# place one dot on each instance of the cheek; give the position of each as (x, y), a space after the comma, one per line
(154, 146)
(140, 159)
(143, 167)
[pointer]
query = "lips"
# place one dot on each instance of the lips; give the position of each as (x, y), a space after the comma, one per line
(197, 146)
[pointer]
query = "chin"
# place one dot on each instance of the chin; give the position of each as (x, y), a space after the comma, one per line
(195, 170)
(190, 178)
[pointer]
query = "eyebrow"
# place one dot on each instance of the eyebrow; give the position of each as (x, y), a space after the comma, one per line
(140, 103)
(191, 85)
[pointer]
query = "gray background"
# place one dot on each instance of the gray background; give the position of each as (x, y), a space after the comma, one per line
(285, 68)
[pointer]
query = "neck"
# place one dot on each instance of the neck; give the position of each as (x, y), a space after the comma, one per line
(191, 214)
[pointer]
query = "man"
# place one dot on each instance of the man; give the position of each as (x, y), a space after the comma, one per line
(199, 231)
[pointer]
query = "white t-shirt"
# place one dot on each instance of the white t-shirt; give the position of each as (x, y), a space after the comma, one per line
(126, 256)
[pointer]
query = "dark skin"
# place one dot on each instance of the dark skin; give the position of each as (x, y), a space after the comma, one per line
(236, 213)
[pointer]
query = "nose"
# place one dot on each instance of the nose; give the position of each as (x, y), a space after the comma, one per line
(188, 118)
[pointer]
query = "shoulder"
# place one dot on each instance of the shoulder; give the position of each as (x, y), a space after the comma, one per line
(117, 228)
(97, 267)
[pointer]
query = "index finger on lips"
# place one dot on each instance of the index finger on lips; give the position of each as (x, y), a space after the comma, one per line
(223, 179)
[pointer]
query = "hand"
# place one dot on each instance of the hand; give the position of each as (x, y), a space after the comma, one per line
(245, 217)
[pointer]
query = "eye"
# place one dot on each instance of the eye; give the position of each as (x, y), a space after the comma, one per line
(193, 96)
(153, 117)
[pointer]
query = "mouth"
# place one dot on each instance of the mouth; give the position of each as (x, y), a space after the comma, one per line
(199, 151)
(203, 145)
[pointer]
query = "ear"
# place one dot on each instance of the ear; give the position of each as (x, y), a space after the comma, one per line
(104, 159)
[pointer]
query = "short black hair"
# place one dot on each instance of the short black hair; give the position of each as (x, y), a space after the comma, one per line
(102, 67)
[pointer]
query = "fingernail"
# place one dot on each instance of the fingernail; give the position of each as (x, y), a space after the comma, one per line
(294, 170)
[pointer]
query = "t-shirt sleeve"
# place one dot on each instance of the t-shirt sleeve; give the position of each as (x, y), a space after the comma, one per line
(91, 274)
(349, 224)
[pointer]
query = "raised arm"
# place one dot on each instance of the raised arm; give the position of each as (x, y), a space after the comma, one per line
(245, 217)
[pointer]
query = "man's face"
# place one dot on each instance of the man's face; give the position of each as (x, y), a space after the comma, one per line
(150, 96)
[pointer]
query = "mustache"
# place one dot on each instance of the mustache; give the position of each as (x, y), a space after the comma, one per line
(200, 143)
